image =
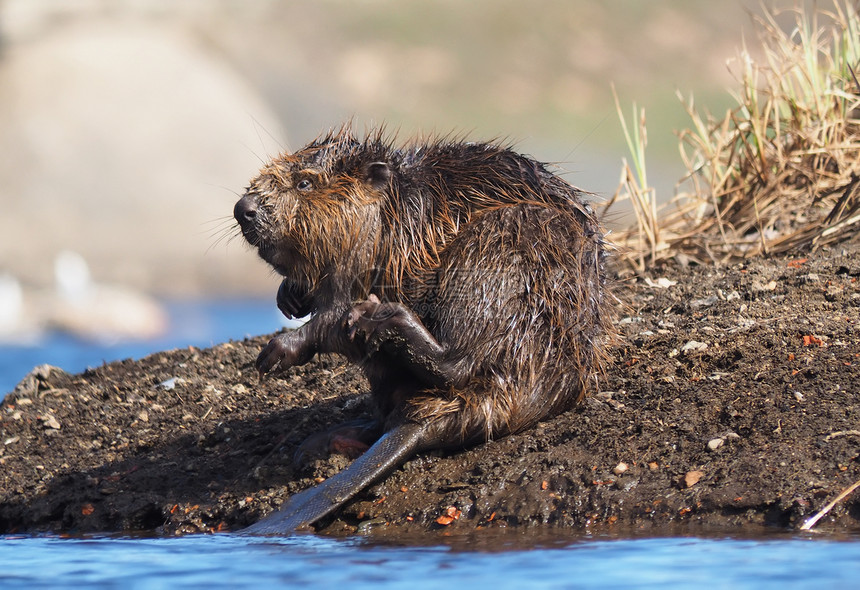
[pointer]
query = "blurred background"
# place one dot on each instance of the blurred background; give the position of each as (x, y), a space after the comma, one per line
(128, 128)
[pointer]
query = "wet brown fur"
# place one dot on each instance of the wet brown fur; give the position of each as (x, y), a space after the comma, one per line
(499, 259)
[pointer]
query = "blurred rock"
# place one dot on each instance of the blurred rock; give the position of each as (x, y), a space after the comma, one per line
(79, 306)
(15, 324)
(127, 141)
(97, 312)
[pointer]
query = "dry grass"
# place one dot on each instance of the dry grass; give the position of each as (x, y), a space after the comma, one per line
(779, 172)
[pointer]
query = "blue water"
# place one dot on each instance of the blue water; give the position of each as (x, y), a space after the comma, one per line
(192, 323)
(230, 561)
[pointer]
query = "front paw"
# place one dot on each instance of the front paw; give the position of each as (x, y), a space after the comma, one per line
(368, 322)
(293, 300)
(285, 350)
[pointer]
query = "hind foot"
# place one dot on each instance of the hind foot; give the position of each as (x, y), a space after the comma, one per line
(350, 439)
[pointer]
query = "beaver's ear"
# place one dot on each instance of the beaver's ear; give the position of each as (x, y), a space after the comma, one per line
(378, 175)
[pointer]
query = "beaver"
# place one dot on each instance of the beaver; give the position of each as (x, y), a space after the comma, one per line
(466, 279)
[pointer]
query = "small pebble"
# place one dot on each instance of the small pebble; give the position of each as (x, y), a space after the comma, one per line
(715, 443)
(661, 283)
(705, 302)
(168, 384)
(50, 422)
(620, 468)
(759, 285)
(693, 346)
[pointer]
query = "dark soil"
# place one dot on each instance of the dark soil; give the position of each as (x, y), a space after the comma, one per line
(731, 399)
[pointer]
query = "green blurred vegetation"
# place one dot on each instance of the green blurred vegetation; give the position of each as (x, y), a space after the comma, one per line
(539, 71)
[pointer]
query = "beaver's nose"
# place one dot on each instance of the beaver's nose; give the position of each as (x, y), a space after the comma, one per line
(245, 210)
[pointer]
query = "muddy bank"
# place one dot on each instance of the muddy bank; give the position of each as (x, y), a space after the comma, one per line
(731, 402)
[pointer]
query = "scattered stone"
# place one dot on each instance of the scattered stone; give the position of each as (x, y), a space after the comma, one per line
(759, 286)
(661, 283)
(694, 346)
(50, 421)
(706, 302)
(169, 384)
(715, 443)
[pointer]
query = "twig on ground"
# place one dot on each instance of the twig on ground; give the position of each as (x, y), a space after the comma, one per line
(833, 435)
(810, 522)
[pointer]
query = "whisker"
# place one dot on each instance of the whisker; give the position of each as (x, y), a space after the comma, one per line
(230, 190)
(221, 231)
(258, 126)
(225, 239)
(218, 226)
(221, 219)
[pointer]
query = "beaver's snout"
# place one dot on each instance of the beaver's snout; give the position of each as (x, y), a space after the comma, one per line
(245, 213)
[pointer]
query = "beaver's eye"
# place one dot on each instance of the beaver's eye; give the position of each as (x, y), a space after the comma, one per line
(305, 185)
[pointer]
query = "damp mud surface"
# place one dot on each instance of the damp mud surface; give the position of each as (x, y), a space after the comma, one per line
(730, 402)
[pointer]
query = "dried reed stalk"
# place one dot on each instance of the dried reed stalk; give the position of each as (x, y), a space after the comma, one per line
(779, 172)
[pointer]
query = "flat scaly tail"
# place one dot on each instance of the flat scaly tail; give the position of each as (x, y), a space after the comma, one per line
(393, 449)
